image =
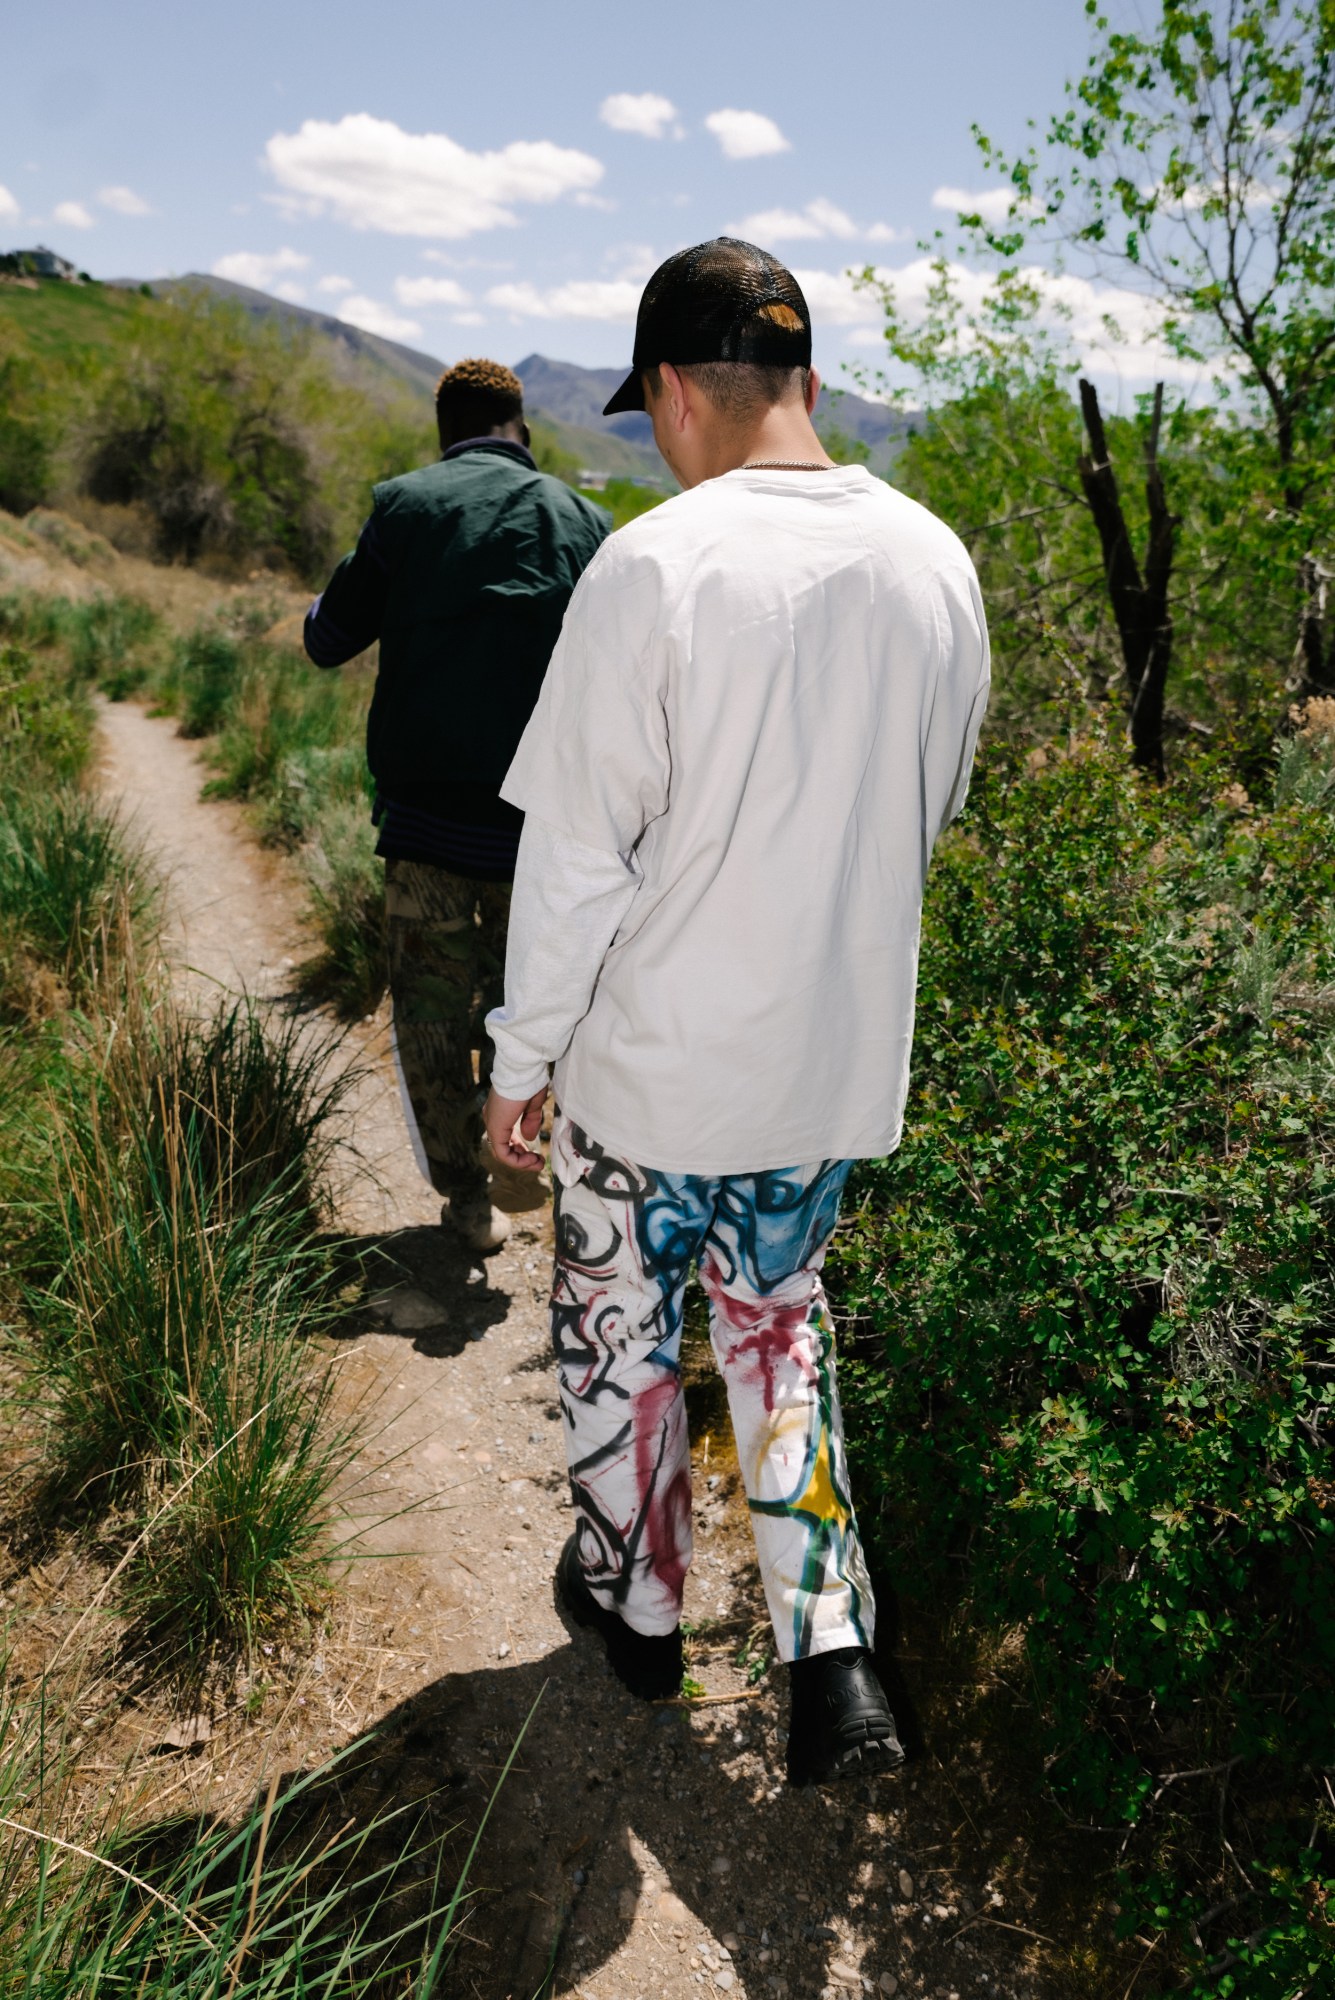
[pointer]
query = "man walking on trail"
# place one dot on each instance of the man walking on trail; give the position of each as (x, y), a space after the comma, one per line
(463, 573)
(761, 712)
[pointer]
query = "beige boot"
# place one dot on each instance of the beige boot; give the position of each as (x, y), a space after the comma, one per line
(472, 1217)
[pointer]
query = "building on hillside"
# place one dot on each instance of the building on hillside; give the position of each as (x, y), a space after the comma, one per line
(41, 263)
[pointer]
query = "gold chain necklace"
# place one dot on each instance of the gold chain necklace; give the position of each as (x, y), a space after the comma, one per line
(784, 465)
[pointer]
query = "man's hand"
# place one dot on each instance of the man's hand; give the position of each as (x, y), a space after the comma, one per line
(502, 1116)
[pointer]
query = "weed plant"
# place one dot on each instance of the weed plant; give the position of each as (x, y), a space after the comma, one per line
(204, 671)
(1094, 1292)
(73, 889)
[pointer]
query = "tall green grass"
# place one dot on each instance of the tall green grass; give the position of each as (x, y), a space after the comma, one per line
(295, 1901)
(74, 889)
(75, 892)
(161, 1193)
(281, 736)
(170, 1334)
(288, 740)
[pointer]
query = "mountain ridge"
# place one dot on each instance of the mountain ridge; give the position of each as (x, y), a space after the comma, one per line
(564, 395)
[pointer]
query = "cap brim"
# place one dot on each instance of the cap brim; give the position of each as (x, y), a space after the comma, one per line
(630, 396)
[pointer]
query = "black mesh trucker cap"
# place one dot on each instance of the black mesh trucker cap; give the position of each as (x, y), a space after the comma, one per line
(720, 301)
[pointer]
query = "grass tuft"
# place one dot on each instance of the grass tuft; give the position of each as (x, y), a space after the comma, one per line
(291, 1899)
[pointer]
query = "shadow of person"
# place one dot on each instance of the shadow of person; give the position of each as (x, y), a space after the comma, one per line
(424, 1285)
(621, 1828)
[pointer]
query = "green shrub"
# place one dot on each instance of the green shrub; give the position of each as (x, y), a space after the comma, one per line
(237, 439)
(46, 722)
(282, 710)
(348, 900)
(203, 678)
(1096, 1286)
(108, 640)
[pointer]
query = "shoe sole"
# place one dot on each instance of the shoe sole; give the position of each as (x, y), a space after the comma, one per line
(873, 1755)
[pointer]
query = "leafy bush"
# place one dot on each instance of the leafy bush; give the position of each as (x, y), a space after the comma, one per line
(109, 640)
(237, 438)
(1096, 1286)
(27, 429)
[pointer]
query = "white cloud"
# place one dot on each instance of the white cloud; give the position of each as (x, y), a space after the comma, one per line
(72, 215)
(469, 319)
(123, 201)
(333, 283)
(457, 263)
(1075, 305)
(582, 298)
(648, 114)
(819, 218)
(430, 292)
(636, 261)
(296, 294)
(746, 135)
(9, 208)
(370, 173)
(372, 317)
(835, 300)
(993, 204)
(258, 268)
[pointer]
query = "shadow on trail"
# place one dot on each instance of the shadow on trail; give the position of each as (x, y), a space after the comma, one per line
(432, 1265)
(558, 1884)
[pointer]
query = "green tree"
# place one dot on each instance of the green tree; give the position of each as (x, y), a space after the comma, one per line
(1196, 160)
(238, 439)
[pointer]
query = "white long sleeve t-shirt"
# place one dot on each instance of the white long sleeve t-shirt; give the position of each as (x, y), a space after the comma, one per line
(761, 711)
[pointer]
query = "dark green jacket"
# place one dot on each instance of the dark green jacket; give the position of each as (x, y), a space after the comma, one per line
(463, 573)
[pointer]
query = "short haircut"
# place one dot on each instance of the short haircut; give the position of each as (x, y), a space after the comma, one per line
(741, 391)
(475, 396)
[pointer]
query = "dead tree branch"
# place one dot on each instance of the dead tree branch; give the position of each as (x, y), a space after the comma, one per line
(1139, 601)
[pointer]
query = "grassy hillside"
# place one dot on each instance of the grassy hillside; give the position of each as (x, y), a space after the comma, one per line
(60, 322)
(374, 362)
(202, 427)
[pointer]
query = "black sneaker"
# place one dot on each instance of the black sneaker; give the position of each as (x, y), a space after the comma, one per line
(840, 1722)
(651, 1667)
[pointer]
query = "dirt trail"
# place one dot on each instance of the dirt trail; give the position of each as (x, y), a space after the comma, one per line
(635, 1852)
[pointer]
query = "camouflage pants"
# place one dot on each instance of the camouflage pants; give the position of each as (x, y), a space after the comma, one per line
(446, 970)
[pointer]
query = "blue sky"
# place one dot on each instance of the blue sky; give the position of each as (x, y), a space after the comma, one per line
(502, 178)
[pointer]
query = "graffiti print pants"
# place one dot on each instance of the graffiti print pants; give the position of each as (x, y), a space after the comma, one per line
(446, 938)
(626, 1238)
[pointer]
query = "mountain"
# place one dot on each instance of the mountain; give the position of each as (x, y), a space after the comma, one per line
(576, 395)
(416, 371)
(370, 359)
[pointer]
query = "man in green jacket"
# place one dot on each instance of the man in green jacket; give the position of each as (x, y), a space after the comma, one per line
(463, 573)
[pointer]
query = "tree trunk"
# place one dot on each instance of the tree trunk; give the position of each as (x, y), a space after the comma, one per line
(1139, 603)
(1314, 659)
